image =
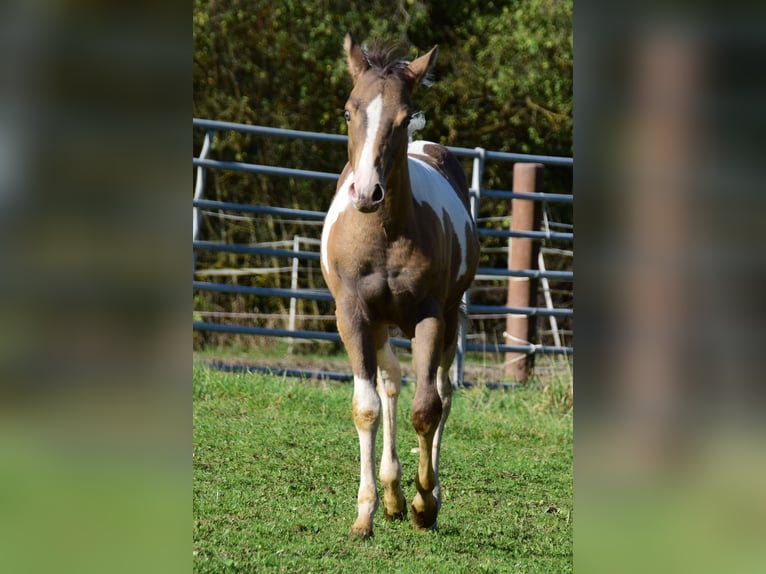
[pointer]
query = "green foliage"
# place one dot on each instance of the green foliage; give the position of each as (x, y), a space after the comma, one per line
(504, 72)
(276, 473)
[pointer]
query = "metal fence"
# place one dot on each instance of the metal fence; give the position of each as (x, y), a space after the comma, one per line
(478, 156)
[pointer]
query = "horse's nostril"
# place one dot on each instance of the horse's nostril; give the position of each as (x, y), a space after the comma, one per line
(377, 193)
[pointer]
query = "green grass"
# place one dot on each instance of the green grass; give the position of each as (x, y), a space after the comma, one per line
(276, 473)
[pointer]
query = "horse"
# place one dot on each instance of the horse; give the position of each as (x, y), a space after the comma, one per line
(399, 248)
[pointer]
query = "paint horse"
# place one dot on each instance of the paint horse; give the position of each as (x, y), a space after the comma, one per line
(399, 248)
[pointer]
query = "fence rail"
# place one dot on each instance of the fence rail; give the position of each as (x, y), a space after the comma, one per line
(265, 169)
(260, 209)
(479, 156)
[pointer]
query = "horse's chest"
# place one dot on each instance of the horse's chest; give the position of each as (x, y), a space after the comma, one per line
(405, 282)
(381, 274)
(385, 280)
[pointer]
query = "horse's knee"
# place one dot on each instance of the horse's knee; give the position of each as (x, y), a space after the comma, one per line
(366, 415)
(444, 386)
(366, 419)
(365, 405)
(389, 383)
(389, 373)
(426, 412)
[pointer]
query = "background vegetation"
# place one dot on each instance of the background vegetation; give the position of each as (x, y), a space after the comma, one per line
(504, 71)
(504, 82)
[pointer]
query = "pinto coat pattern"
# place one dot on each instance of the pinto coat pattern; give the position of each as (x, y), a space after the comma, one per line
(399, 248)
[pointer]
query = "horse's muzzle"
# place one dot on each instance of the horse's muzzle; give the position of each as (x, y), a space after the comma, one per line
(367, 202)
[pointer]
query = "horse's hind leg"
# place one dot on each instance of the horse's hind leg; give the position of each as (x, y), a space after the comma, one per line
(389, 384)
(444, 387)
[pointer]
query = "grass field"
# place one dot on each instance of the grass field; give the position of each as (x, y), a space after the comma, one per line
(276, 472)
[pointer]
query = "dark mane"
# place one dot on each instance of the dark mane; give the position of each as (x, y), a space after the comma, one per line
(388, 60)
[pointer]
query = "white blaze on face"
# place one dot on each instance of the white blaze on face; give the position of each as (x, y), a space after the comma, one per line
(365, 169)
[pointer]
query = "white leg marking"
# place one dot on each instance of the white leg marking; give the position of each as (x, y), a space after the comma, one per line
(444, 387)
(366, 409)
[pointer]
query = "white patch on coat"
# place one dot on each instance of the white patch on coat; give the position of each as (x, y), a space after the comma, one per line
(431, 187)
(339, 203)
(418, 147)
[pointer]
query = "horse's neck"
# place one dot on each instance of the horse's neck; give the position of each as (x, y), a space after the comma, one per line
(399, 209)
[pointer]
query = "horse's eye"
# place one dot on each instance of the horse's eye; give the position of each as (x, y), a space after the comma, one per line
(347, 115)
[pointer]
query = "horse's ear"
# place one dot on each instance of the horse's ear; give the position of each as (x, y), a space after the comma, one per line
(419, 68)
(357, 61)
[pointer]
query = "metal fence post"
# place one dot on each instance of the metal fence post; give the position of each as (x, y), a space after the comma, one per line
(522, 255)
(199, 189)
(293, 286)
(477, 173)
(200, 184)
(549, 301)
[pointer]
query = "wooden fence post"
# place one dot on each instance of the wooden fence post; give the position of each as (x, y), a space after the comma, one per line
(522, 291)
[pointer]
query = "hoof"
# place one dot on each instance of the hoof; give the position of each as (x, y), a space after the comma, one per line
(424, 511)
(395, 516)
(425, 520)
(360, 533)
(395, 507)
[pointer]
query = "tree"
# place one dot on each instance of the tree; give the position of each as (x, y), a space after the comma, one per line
(504, 71)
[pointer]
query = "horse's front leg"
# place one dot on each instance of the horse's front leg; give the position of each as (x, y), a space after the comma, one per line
(366, 411)
(389, 385)
(360, 346)
(426, 417)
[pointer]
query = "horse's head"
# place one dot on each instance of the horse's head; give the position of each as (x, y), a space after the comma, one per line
(378, 112)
